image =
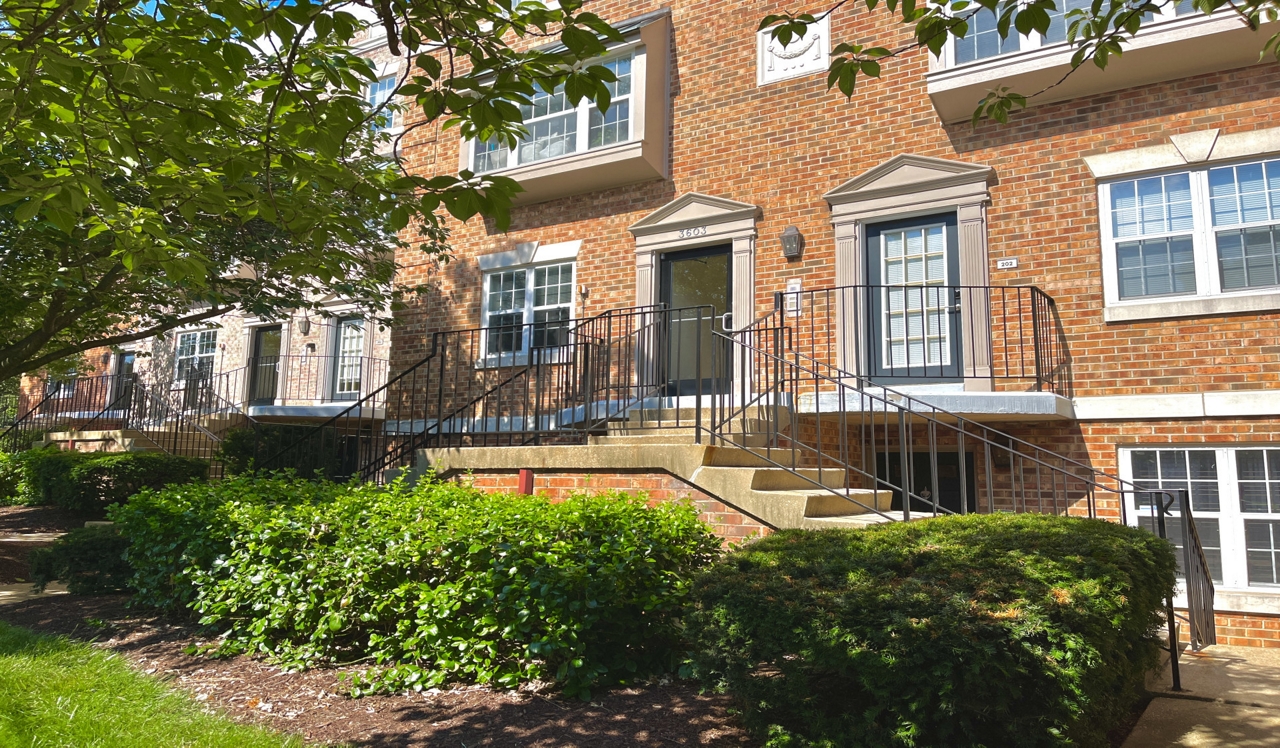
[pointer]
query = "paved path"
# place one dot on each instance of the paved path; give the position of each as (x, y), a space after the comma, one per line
(1230, 697)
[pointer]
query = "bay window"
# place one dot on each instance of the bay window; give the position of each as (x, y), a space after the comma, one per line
(556, 128)
(983, 41)
(1204, 232)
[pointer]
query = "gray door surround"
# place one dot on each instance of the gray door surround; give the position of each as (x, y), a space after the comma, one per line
(904, 186)
(696, 220)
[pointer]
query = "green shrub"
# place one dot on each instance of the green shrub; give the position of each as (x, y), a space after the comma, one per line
(89, 560)
(431, 584)
(987, 630)
(89, 482)
(14, 489)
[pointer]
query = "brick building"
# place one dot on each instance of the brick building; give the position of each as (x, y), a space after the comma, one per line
(1104, 268)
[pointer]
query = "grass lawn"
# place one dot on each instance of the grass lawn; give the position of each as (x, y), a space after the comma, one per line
(55, 692)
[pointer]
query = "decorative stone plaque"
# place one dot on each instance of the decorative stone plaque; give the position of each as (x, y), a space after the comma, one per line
(804, 56)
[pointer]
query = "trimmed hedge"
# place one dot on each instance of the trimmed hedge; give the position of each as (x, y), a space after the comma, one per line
(89, 482)
(432, 584)
(89, 560)
(989, 630)
(13, 484)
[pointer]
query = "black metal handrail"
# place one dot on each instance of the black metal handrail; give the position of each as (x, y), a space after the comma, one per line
(1010, 335)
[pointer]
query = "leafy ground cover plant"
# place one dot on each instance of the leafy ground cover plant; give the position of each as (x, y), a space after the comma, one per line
(987, 630)
(427, 585)
(89, 560)
(57, 692)
(89, 482)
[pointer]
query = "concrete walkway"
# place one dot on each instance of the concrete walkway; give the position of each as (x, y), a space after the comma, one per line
(1230, 697)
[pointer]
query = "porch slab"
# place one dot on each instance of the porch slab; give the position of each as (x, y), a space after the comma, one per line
(325, 410)
(977, 406)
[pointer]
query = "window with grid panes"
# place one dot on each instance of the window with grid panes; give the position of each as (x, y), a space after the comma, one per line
(556, 128)
(983, 40)
(377, 94)
(1262, 545)
(534, 303)
(1235, 499)
(1191, 472)
(1199, 232)
(194, 354)
(348, 363)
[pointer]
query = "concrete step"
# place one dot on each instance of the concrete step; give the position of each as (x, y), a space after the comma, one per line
(804, 479)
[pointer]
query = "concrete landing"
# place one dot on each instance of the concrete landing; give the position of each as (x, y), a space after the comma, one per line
(1230, 697)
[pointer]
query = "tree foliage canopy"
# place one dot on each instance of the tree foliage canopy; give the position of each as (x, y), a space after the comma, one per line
(164, 161)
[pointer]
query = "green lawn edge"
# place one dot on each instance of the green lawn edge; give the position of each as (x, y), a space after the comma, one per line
(58, 692)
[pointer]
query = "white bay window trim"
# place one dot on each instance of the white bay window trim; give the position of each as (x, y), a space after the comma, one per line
(642, 156)
(1169, 47)
(1199, 288)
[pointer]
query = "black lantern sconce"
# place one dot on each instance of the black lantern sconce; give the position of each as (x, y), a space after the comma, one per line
(792, 243)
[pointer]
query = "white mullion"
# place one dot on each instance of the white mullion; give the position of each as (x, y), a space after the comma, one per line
(1207, 281)
(1235, 572)
(582, 138)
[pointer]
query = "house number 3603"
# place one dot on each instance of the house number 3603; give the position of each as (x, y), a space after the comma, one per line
(696, 231)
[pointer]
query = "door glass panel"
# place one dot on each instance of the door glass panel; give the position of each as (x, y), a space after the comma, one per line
(266, 364)
(349, 359)
(696, 288)
(916, 327)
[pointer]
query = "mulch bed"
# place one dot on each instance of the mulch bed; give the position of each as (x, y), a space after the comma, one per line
(313, 704)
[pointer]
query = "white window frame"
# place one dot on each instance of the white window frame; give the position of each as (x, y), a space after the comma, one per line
(1235, 572)
(582, 122)
(1203, 237)
(393, 117)
(520, 355)
(1034, 42)
(336, 379)
(177, 346)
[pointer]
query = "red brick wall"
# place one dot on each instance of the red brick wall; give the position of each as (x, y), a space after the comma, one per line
(726, 521)
(1246, 630)
(781, 146)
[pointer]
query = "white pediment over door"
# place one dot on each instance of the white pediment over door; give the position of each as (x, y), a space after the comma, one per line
(692, 210)
(906, 174)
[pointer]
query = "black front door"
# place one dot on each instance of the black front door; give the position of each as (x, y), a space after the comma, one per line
(122, 391)
(697, 289)
(264, 367)
(913, 274)
(889, 469)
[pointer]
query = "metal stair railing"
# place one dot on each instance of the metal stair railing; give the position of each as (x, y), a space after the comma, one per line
(70, 404)
(812, 419)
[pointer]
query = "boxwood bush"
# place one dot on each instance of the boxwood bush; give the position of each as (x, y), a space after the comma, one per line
(989, 630)
(429, 584)
(89, 482)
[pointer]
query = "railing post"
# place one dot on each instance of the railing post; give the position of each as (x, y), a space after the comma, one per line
(1035, 337)
(1161, 510)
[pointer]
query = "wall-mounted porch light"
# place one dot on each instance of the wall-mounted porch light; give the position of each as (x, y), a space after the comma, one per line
(792, 243)
(304, 326)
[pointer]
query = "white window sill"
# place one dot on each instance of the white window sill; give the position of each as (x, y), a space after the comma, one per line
(1164, 50)
(557, 355)
(601, 168)
(1193, 306)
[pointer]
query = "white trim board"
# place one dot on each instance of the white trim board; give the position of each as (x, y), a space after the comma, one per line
(1244, 403)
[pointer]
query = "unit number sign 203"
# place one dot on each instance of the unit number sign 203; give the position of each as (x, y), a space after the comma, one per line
(695, 231)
